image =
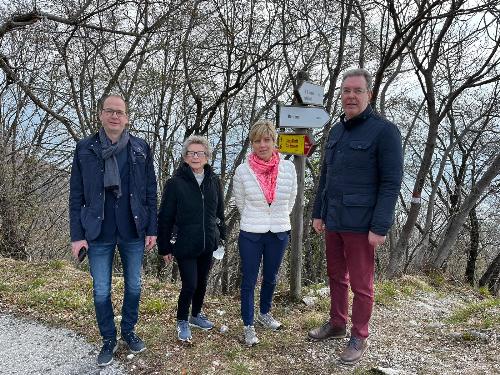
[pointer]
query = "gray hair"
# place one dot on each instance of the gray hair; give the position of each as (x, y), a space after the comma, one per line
(359, 73)
(197, 140)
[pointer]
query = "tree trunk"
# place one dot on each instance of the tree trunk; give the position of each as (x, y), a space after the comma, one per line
(474, 247)
(444, 249)
(297, 231)
(491, 276)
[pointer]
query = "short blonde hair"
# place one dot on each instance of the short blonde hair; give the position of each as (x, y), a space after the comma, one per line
(199, 140)
(262, 128)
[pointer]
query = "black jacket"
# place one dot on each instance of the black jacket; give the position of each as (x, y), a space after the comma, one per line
(193, 214)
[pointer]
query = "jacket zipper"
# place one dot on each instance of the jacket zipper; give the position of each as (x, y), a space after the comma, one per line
(103, 190)
(203, 213)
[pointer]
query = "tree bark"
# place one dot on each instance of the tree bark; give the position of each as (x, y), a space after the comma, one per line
(491, 276)
(474, 247)
(446, 246)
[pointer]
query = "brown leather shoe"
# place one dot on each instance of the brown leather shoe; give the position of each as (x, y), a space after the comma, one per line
(326, 331)
(354, 350)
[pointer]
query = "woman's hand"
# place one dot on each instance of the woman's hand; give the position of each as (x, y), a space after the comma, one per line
(168, 258)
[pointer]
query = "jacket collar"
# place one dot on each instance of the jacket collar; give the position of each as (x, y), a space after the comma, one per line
(95, 146)
(359, 119)
(185, 171)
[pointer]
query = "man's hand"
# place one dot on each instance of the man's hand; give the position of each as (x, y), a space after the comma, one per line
(76, 246)
(168, 258)
(318, 225)
(150, 242)
(375, 239)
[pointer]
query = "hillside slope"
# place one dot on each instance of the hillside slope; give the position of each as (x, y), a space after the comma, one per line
(419, 326)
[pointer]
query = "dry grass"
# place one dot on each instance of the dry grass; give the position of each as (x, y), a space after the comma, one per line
(58, 294)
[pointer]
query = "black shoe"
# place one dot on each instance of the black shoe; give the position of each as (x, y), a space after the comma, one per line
(105, 356)
(135, 344)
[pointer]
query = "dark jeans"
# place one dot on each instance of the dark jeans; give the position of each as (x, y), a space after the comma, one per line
(194, 277)
(101, 263)
(254, 247)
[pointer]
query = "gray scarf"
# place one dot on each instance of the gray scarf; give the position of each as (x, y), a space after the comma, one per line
(112, 179)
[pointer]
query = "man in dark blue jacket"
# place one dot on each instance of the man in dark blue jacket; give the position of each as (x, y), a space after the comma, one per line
(113, 203)
(358, 190)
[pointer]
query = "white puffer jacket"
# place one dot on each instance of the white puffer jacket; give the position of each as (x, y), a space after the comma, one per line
(257, 216)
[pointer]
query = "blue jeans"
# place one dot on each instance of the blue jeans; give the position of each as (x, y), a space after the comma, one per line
(101, 256)
(254, 247)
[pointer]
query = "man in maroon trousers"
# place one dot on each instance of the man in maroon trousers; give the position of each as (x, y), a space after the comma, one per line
(358, 190)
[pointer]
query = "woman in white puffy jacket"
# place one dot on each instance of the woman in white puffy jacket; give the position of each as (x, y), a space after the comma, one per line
(265, 187)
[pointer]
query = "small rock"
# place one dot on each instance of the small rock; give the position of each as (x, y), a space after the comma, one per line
(220, 312)
(323, 292)
(435, 325)
(224, 328)
(216, 363)
(130, 357)
(309, 300)
(479, 336)
(386, 371)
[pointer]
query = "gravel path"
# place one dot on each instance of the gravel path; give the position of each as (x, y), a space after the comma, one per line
(31, 348)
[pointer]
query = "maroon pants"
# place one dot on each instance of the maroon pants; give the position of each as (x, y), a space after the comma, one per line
(350, 260)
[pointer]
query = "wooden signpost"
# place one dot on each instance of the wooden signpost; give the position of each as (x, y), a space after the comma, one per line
(306, 113)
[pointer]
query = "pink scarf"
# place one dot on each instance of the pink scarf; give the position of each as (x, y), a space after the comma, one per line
(267, 173)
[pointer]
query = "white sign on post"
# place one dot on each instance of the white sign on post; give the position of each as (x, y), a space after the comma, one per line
(311, 93)
(292, 116)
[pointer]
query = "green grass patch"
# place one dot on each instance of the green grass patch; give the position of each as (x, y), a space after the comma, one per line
(483, 314)
(323, 304)
(437, 279)
(312, 321)
(233, 353)
(37, 298)
(239, 368)
(154, 306)
(484, 291)
(65, 299)
(386, 293)
(3, 287)
(56, 264)
(156, 286)
(37, 283)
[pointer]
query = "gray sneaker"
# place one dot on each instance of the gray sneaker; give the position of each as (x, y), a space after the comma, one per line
(250, 336)
(183, 331)
(268, 321)
(201, 321)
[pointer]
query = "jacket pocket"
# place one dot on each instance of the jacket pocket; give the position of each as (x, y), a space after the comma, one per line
(91, 222)
(357, 211)
(359, 154)
(189, 241)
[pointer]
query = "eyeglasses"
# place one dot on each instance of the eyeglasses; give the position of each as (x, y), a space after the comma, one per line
(111, 112)
(357, 91)
(199, 154)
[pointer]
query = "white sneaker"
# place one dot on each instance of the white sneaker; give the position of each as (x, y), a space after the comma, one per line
(250, 336)
(268, 321)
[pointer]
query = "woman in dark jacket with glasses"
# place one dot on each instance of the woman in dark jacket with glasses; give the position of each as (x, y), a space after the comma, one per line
(190, 227)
